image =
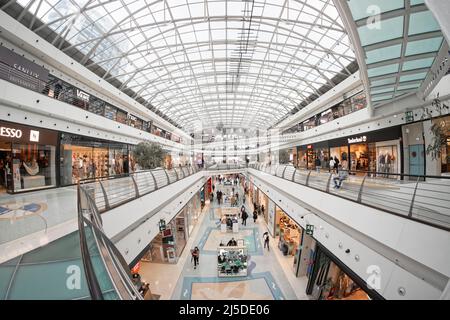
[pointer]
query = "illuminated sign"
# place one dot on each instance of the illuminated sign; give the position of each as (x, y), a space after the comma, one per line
(34, 136)
(357, 139)
(83, 95)
(309, 146)
(10, 132)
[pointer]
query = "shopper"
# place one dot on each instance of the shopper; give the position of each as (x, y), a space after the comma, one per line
(336, 164)
(244, 217)
(195, 256)
(211, 197)
(341, 176)
(332, 162)
(232, 243)
(318, 164)
(255, 216)
(266, 240)
(262, 209)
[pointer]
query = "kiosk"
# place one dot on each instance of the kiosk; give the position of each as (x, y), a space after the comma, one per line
(232, 261)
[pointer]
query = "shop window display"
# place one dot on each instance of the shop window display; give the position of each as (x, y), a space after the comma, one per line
(83, 158)
(329, 282)
(359, 155)
(340, 286)
(289, 235)
(33, 166)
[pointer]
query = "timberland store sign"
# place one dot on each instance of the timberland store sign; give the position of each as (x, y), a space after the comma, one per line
(32, 73)
(361, 139)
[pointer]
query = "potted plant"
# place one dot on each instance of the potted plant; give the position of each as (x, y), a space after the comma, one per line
(149, 155)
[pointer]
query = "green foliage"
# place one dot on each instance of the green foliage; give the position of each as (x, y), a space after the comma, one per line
(149, 155)
(439, 140)
(284, 156)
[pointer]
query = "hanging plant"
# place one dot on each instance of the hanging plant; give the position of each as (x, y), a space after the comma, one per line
(439, 140)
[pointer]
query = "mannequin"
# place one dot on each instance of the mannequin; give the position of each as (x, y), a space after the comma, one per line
(33, 169)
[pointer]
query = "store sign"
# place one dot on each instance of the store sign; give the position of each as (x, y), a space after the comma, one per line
(309, 229)
(409, 116)
(131, 117)
(162, 225)
(10, 132)
(309, 146)
(23, 65)
(83, 95)
(357, 139)
(34, 136)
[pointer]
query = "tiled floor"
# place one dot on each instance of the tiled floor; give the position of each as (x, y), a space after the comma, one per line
(269, 277)
(30, 220)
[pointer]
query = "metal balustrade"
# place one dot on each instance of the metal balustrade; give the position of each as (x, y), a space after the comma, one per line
(110, 192)
(425, 199)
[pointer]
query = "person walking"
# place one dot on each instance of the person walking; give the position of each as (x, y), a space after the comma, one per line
(255, 216)
(195, 256)
(262, 209)
(244, 217)
(332, 162)
(318, 164)
(266, 240)
(336, 164)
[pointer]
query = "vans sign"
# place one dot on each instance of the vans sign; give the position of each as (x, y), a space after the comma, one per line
(83, 95)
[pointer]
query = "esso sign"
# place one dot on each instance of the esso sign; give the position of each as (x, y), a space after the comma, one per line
(10, 132)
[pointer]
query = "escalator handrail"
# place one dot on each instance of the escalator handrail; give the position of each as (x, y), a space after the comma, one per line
(91, 279)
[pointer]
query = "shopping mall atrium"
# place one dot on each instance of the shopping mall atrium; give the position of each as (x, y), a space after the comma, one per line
(224, 150)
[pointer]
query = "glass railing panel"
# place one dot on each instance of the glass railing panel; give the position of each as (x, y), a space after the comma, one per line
(172, 175)
(102, 276)
(289, 172)
(432, 201)
(318, 180)
(161, 178)
(119, 190)
(280, 170)
(145, 182)
(301, 176)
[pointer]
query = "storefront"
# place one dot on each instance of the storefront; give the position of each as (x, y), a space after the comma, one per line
(85, 157)
(330, 279)
(27, 158)
(170, 242)
(262, 203)
(308, 154)
(289, 235)
(377, 151)
(444, 123)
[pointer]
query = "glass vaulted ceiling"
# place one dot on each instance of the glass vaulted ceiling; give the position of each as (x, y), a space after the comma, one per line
(210, 63)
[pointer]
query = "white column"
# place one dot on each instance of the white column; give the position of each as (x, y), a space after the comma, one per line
(441, 11)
